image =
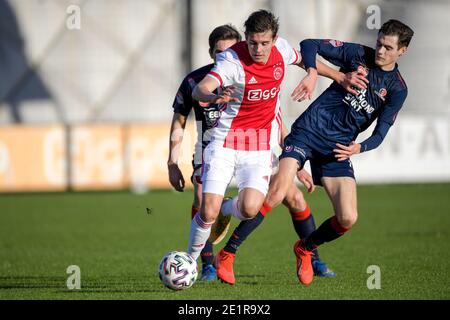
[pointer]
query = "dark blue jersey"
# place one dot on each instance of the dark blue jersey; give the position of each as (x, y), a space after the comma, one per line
(206, 114)
(337, 116)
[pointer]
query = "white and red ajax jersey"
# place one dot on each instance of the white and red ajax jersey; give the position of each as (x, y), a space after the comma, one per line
(252, 124)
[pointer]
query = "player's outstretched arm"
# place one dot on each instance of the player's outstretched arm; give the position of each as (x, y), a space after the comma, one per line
(204, 92)
(305, 88)
(176, 178)
(350, 81)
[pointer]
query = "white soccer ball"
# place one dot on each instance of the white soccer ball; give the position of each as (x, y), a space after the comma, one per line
(178, 270)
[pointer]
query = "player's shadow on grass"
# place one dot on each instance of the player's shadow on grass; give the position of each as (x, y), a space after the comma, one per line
(88, 290)
(54, 282)
(246, 278)
(250, 276)
(31, 282)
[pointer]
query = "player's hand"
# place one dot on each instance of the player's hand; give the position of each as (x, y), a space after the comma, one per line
(176, 178)
(306, 87)
(343, 152)
(352, 81)
(225, 96)
(305, 178)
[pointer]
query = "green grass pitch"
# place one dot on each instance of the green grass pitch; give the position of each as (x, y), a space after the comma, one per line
(403, 229)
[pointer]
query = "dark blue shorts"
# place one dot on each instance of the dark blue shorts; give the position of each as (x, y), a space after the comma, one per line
(321, 165)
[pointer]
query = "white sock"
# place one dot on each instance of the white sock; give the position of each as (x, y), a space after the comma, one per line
(230, 207)
(198, 235)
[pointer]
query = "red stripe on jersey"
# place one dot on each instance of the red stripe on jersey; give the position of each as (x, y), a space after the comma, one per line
(217, 76)
(297, 57)
(399, 76)
(280, 125)
(279, 120)
(251, 127)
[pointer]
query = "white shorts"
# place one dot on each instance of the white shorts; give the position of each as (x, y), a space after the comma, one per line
(251, 169)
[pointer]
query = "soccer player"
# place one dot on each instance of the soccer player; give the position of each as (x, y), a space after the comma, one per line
(302, 218)
(206, 116)
(220, 39)
(325, 133)
(250, 73)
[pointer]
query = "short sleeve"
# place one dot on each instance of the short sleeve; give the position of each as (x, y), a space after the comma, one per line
(290, 55)
(183, 100)
(226, 68)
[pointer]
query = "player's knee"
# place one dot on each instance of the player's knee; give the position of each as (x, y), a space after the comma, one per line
(249, 209)
(295, 202)
(210, 212)
(348, 221)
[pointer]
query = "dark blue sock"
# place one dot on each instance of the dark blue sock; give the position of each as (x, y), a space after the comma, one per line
(207, 253)
(328, 231)
(304, 228)
(242, 231)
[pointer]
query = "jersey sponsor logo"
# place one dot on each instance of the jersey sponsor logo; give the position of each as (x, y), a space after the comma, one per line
(252, 80)
(381, 93)
(298, 150)
(278, 73)
(359, 102)
(258, 94)
(335, 43)
(212, 114)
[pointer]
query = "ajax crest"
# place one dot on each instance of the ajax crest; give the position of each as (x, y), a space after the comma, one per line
(278, 73)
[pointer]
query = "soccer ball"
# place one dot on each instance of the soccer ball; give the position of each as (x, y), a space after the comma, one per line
(178, 270)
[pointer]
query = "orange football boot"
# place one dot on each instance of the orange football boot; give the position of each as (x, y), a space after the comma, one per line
(305, 272)
(223, 262)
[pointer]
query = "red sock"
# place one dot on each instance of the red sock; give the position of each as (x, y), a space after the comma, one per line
(265, 209)
(337, 227)
(301, 215)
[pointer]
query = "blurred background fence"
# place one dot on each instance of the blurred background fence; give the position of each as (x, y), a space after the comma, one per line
(86, 86)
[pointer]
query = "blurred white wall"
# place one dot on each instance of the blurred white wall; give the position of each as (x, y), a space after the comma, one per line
(125, 62)
(122, 65)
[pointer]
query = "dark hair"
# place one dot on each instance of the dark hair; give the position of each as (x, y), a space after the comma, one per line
(223, 32)
(261, 21)
(397, 28)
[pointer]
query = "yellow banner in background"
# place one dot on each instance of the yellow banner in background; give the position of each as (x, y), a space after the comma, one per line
(147, 151)
(97, 157)
(32, 158)
(102, 157)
